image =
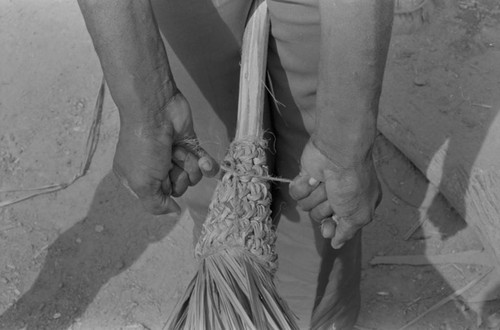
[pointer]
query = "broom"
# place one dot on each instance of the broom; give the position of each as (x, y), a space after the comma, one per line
(233, 288)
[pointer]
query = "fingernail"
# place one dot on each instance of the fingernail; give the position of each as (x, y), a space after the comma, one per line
(205, 164)
(328, 228)
(312, 182)
(175, 208)
(337, 246)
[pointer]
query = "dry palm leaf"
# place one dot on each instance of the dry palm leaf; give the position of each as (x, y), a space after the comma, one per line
(234, 287)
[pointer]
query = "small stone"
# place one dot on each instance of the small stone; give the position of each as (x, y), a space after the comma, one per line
(99, 228)
(80, 105)
(56, 316)
(420, 81)
(383, 293)
(79, 240)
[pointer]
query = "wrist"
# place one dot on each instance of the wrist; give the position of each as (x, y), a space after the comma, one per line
(343, 157)
(142, 107)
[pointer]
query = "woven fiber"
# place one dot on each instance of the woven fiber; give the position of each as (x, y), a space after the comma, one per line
(239, 215)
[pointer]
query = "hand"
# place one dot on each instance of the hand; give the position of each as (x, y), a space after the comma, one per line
(154, 163)
(342, 199)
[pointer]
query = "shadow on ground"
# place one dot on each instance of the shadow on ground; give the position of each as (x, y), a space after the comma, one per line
(84, 258)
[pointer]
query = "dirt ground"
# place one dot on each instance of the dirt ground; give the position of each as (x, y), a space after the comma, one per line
(88, 257)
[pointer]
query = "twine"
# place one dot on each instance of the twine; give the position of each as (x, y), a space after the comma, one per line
(193, 145)
(240, 212)
(227, 169)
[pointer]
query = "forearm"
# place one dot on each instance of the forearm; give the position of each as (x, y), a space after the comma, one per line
(355, 36)
(132, 55)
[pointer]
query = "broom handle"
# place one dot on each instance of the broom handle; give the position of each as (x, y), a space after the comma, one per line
(253, 74)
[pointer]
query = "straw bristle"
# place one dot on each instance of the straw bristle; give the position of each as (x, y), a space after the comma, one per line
(232, 290)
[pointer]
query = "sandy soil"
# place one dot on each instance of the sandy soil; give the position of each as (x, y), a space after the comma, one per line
(88, 257)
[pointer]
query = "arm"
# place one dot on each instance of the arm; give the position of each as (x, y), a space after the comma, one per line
(132, 55)
(153, 113)
(355, 37)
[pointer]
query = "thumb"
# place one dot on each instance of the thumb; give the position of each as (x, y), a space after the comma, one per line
(208, 165)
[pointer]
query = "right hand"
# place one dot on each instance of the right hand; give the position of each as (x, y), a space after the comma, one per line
(152, 161)
(342, 199)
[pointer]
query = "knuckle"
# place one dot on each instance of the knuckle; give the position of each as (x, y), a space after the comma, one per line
(314, 215)
(321, 212)
(179, 191)
(303, 205)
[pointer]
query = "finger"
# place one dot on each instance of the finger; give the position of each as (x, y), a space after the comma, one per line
(316, 197)
(302, 186)
(187, 162)
(179, 180)
(344, 232)
(321, 211)
(328, 227)
(160, 202)
(208, 166)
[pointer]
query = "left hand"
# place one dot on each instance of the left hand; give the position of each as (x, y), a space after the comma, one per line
(342, 199)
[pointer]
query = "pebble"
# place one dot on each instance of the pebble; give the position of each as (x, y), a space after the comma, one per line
(420, 81)
(56, 316)
(99, 228)
(79, 240)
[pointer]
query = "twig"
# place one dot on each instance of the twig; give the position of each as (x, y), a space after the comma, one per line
(421, 219)
(447, 299)
(37, 254)
(477, 257)
(486, 106)
(7, 191)
(90, 148)
(432, 191)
